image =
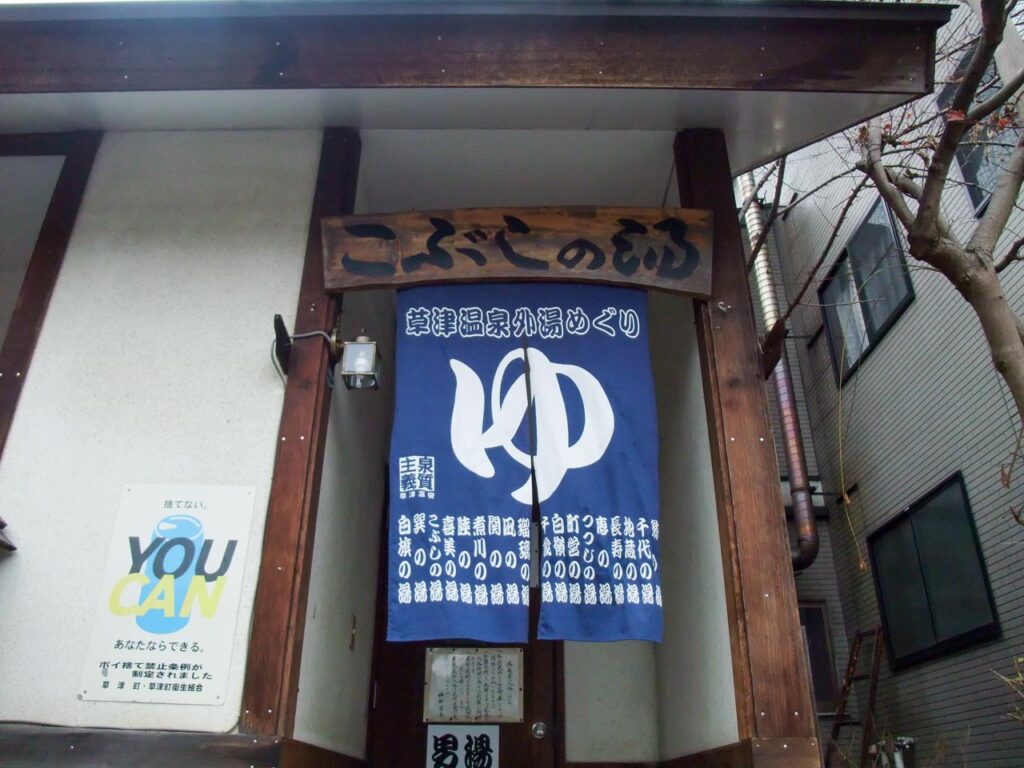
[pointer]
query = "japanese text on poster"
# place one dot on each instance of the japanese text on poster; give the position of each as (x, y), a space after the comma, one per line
(165, 619)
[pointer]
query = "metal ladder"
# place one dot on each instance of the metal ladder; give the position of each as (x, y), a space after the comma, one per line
(867, 721)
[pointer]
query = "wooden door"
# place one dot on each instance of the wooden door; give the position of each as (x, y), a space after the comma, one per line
(397, 734)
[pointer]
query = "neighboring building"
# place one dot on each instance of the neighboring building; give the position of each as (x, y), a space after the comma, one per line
(912, 424)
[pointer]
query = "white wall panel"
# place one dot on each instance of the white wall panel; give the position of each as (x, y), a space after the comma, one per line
(334, 680)
(696, 698)
(152, 367)
(636, 702)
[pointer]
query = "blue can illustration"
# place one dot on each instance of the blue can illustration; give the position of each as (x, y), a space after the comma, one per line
(183, 540)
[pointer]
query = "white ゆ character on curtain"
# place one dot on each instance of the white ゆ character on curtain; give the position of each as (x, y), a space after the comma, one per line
(555, 456)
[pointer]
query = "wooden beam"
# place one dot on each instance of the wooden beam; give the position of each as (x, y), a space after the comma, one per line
(19, 344)
(299, 754)
(754, 753)
(279, 612)
(769, 666)
(752, 48)
(29, 746)
(640, 247)
(36, 144)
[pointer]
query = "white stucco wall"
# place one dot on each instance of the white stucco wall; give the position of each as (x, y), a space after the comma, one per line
(635, 701)
(334, 679)
(611, 705)
(152, 367)
(696, 698)
(26, 185)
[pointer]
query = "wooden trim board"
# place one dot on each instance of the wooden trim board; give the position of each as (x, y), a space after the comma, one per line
(279, 612)
(79, 150)
(30, 746)
(839, 50)
(769, 665)
(754, 753)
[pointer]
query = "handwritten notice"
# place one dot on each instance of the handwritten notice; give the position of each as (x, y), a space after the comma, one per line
(472, 685)
(665, 248)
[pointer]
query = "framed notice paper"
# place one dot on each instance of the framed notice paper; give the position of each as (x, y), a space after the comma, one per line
(473, 685)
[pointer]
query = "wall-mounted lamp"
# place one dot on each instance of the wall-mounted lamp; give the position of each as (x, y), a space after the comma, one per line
(360, 363)
(359, 360)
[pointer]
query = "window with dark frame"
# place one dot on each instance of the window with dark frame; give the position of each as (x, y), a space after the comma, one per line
(866, 291)
(814, 620)
(933, 590)
(987, 146)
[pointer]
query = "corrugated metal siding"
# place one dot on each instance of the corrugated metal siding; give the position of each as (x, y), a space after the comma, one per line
(925, 404)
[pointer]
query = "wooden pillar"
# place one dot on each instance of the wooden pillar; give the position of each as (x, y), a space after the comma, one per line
(79, 150)
(279, 613)
(773, 697)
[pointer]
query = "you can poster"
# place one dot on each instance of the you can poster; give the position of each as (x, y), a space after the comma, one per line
(168, 605)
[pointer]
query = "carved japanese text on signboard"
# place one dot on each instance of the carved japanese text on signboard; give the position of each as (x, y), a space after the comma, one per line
(661, 248)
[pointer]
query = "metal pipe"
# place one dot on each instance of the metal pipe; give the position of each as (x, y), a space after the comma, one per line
(806, 548)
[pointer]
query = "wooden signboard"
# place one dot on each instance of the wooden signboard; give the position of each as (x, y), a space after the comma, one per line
(661, 248)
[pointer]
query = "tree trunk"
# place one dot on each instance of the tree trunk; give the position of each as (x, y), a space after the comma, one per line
(999, 323)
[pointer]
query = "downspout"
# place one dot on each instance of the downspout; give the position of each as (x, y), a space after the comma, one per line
(806, 548)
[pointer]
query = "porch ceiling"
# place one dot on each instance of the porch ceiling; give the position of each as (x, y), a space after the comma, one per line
(757, 125)
(773, 76)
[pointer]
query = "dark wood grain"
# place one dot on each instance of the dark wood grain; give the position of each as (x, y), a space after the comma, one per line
(772, 687)
(26, 144)
(754, 753)
(398, 735)
(299, 754)
(839, 50)
(26, 746)
(396, 693)
(279, 612)
(646, 247)
(79, 150)
(726, 523)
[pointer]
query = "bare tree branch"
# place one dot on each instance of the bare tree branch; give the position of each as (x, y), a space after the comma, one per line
(772, 215)
(1008, 13)
(1010, 256)
(812, 275)
(905, 184)
(908, 154)
(998, 99)
(757, 188)
(992, 15)
(992, 22)
(872, 165)
(802, 196)
(1000, 205)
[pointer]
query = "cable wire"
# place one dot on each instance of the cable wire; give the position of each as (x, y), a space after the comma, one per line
(309, 335)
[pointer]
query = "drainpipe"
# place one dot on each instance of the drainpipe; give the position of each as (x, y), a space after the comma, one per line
(806, 548)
